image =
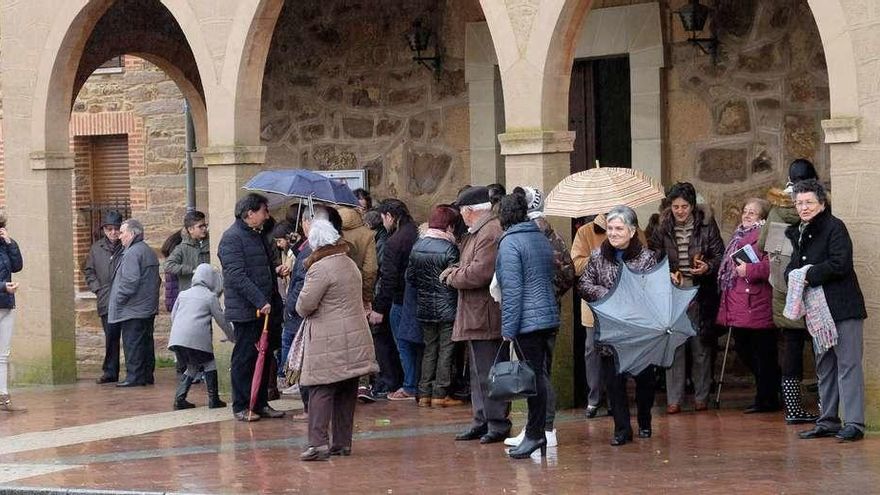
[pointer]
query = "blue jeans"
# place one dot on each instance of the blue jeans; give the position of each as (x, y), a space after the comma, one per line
(410, 354)
(287, 335)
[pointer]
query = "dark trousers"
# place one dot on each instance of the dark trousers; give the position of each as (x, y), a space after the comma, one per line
(140, 355)
(759, 351)
(534, 348)
(619, 400)
(332, 405)
(489, 414)
(390, 375)
(112, 334)
(244, 360)
(793, 352)
(437, 359)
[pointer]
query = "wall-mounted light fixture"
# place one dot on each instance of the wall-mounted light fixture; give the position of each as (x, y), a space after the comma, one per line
(419, 39)
(693, 19)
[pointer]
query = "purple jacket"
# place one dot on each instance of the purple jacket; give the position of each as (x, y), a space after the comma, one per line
(749, 303)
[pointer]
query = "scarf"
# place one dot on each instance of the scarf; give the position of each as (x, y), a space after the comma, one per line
(810, 303)
(440, 234)
(727, 272)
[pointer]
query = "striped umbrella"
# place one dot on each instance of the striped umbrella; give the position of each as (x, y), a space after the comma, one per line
(597, 190)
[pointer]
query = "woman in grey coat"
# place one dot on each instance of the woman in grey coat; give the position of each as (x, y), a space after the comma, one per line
(191, 338)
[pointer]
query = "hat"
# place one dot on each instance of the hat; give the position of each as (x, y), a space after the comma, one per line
(534, 199)
(112, 218)
(475, 195)
(801, 169)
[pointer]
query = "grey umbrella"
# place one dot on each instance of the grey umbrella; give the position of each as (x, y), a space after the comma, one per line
(644, 318)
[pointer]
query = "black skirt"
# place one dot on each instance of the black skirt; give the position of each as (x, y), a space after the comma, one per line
(186, 356)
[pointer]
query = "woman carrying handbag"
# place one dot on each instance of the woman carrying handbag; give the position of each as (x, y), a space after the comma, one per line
(529, 314)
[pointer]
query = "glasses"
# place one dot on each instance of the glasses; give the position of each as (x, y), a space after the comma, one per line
(805, 204)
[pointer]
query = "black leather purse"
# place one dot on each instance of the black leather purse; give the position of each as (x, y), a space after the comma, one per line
(511, 380)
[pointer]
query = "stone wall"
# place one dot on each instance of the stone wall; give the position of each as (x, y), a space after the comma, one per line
(341, 91)
(734, 127)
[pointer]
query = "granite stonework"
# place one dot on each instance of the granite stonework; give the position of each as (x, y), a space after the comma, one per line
(766, 98)
(341, 92)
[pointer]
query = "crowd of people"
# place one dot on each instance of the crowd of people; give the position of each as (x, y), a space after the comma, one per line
(373, 305)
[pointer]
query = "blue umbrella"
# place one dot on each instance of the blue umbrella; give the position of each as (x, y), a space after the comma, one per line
(644, 318)
(282, 185)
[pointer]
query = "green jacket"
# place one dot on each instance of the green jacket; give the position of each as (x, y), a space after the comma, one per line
(782, 211)
(183, 261)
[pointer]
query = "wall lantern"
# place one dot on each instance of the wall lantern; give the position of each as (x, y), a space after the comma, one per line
(693, 19)
(419, 39)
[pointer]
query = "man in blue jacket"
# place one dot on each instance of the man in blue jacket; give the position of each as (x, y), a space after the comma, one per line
(249, 286)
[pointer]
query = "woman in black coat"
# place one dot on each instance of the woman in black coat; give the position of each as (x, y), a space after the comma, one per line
(823, 252)
(10, 262)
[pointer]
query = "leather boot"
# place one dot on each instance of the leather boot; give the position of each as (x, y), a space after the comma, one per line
(794, 406)
(272, 393)
(212, 385)
(180, 401)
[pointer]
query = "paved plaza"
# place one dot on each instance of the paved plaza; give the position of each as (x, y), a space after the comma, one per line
(93, 438)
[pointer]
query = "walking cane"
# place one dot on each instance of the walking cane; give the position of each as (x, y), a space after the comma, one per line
(723, 365)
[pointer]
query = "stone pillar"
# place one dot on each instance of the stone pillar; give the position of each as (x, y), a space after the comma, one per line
(228, 169)
(38, 205)
(543, 158)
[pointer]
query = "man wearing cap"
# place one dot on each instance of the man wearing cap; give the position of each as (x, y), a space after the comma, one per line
(99, 268)
(478, 317)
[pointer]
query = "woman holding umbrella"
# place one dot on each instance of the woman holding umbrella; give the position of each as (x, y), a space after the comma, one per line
(338, 345)
(603, 269)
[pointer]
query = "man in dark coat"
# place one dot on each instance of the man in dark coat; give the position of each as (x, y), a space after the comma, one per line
(250, 291)
(104, 257)
(134, 302)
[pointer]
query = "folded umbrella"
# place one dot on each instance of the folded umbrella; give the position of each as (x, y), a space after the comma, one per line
(281, 186)
(644, 318)
(257, 380)
(597, 190)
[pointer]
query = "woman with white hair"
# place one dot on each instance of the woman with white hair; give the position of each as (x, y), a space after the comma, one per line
(603, 269)
(338, 345)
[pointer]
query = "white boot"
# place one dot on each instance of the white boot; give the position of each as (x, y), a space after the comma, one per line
(551, 437)
(515, 441)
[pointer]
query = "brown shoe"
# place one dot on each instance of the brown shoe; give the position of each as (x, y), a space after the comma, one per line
(447, 402)
(424, 402)
(673, 409)
(700, 406)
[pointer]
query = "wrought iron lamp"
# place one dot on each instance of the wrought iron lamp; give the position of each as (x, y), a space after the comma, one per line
(693, 19)
(419, 39)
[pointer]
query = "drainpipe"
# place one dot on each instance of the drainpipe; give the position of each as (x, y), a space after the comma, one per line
(190, 149)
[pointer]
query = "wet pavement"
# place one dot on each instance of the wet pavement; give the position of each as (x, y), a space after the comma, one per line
(94, 437)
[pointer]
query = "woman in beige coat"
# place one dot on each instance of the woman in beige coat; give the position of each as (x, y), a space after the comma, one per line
(338, 347)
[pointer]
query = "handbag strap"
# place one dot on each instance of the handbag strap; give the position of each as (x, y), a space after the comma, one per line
(511, 343)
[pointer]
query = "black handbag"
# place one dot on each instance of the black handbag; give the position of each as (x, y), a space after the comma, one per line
(511, 380)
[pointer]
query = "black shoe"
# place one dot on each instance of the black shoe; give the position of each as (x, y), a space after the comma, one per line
(818, 432)
(527, 446)
(801, 418)
(127, 384)
(849, 433)
(592, 411)
(246, 416)
(315, 454)
(180, 401)
(343, 451)
(472, 434)
(755, 408)
(494, 437)
(106, 379)
(366, 397)
(269, 413)
(644, 433)
(621, 439)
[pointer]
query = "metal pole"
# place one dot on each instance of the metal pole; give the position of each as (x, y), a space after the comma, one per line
(190, 149)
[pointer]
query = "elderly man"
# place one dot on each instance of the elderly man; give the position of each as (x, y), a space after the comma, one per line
(251, 294)
(101, 265)
(134, 302)
(478, 318)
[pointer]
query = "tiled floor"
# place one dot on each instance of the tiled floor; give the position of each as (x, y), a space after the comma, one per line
(400, 448)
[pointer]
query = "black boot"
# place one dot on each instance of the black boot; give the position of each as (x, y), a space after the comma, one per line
(180, 396)
(794, 407)
(214, 401)
(527, 446)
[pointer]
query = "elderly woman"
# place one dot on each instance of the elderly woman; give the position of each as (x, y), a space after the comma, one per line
(689, 238)
(338, 345)
(823, 258)
(529, 313)
(746, 306)
(621, 246)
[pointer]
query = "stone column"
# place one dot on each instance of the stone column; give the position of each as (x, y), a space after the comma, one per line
(38, 205)
(543, 158)
(228, 169)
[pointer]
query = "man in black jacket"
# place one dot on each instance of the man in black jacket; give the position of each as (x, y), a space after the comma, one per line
(251, 291)
(822, 242)
(100, 266)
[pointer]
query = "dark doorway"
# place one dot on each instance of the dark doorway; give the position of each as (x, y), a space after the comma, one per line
(599, 114)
